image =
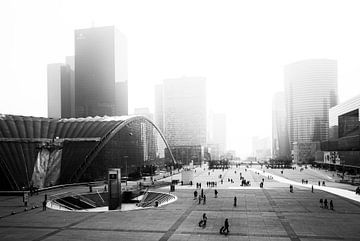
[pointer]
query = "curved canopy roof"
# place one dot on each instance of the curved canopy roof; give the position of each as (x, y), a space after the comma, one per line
(20, 136)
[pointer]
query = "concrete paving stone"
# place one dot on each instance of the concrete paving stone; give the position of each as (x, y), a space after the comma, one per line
(102, 235)
(272, 213)
(10, 234)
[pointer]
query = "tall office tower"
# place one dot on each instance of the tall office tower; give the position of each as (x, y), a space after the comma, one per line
(310, 91)
(185, 111)
(280, 138)
(100, 72)
(61, 96)
(159, 107)
(217, 135)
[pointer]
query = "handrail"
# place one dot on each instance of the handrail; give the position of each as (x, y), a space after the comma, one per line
(97, 191)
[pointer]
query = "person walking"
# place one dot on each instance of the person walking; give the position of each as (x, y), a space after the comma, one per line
(199, 199)
(326, 204)
(44, 205)
(195, 195)
(312, 188)
(216, 193)
(226, 227)
(235, 201)
(202, 193)
(204, 199)
(331, 205)
(203, 221)
(321, 203)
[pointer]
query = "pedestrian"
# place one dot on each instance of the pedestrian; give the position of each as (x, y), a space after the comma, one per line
(216, 193)
(326, 204)
(199, 199)
(195, 195)
(319, 183)
(204, 199)
(235, 201)
(291, 188)
(312, 188)
(321, 203)
(44, 205)
(226, 227)
(202, 193)
(202, 222)
(331, 205)
(323, 183)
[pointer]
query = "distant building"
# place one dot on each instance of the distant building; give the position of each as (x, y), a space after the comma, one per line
(261, 148)
(310, 91)
(217, 135)
(100, 72)
(144, 112)
(280, 138)
(343, 147)
(61, 89)
(159, 107)
(184, 112)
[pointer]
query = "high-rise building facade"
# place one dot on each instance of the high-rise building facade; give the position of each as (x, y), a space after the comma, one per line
(310, 91)
(100, 72)
(217, 135)
(61, 89)
(159, 107)
(185, 112)
(280, 138)
(343, 147)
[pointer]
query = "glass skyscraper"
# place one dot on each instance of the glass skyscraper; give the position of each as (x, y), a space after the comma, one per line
(310, 91)
(280, 138)
(100, 72)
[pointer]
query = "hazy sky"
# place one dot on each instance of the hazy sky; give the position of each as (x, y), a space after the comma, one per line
(241, 47)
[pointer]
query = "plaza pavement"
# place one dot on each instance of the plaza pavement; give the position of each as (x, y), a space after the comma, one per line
(269, 213)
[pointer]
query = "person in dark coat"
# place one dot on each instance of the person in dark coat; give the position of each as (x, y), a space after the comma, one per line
(226, 226)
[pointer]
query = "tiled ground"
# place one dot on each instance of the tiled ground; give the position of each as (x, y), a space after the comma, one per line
(271, 213)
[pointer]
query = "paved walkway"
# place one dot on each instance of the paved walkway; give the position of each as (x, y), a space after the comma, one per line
(269, 213)
(341, 190)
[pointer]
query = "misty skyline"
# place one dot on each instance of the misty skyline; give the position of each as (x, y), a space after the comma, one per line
(240, 48)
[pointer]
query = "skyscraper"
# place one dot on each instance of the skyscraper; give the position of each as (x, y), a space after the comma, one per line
(280, 138)
(310, 91)
(159, 107)
(100, 72)
(61, 96)
(217, 135)
(180, 104)
(185, 111)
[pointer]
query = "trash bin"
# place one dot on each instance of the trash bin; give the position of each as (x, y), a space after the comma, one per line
(172, 188)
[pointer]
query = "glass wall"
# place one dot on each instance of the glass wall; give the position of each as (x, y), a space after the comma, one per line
(138, 149)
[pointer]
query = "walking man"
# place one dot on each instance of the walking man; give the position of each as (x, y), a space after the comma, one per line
(235, 200)
(226, 227)
(44, 205)
(204, 199)
(195, 195)
(331, 205)
(216, 193)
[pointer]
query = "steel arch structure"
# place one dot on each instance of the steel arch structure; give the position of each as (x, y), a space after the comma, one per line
(106, 138)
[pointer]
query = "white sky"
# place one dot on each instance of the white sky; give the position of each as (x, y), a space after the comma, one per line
(241, 47)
